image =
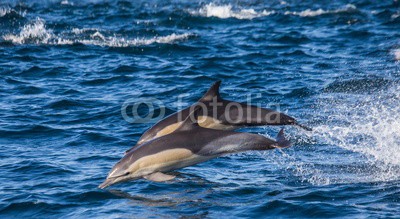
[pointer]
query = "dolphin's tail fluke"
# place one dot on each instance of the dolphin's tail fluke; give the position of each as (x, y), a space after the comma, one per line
(282, 141)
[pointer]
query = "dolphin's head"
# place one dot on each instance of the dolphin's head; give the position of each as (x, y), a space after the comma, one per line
(121, 172)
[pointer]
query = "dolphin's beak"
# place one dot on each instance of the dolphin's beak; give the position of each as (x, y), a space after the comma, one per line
(112, 180)
(116, 179)
(108, 182)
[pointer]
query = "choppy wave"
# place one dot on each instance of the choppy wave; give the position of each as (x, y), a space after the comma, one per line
(61, 105)
(313, 13)
(227, 11)
(37, 33)
(4, 11)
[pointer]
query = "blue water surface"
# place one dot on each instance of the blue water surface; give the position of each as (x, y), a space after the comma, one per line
(68, 67)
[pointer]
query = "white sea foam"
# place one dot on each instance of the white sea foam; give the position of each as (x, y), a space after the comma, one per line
(313, 13)
(83, 30)
(98, 35)
(37, 33)
(226, 11)
(396, 53)
(66, 2)
(100, 40)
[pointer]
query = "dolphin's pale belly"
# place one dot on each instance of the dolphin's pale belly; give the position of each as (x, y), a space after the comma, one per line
(211, 123)
(168, 129)
(166, 161)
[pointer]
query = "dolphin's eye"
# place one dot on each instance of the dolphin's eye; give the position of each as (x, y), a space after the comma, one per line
(127, 173)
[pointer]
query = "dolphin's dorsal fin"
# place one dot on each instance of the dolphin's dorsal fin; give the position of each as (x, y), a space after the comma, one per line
(212, 92)
(191, 121)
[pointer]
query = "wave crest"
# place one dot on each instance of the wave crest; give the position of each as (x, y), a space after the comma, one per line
(226, 11)
(5, 11)
(98, 39)
(37, 33)
(314, 13)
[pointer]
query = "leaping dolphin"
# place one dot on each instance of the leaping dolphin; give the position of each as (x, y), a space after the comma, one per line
(222, 115)
(188, 145)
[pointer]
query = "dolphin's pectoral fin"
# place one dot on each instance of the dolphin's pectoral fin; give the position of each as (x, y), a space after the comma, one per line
(159, 177)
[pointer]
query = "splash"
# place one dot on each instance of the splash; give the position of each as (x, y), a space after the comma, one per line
(313, 13)
(368, 125)
(357, 140)
(34, 33)
(37, 33)
(371, 126)
(305, 171)
(226, 11)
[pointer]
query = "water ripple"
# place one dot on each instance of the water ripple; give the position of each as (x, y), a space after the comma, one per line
(67, 67)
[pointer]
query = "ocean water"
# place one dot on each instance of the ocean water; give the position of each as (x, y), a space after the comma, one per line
(67, 68)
